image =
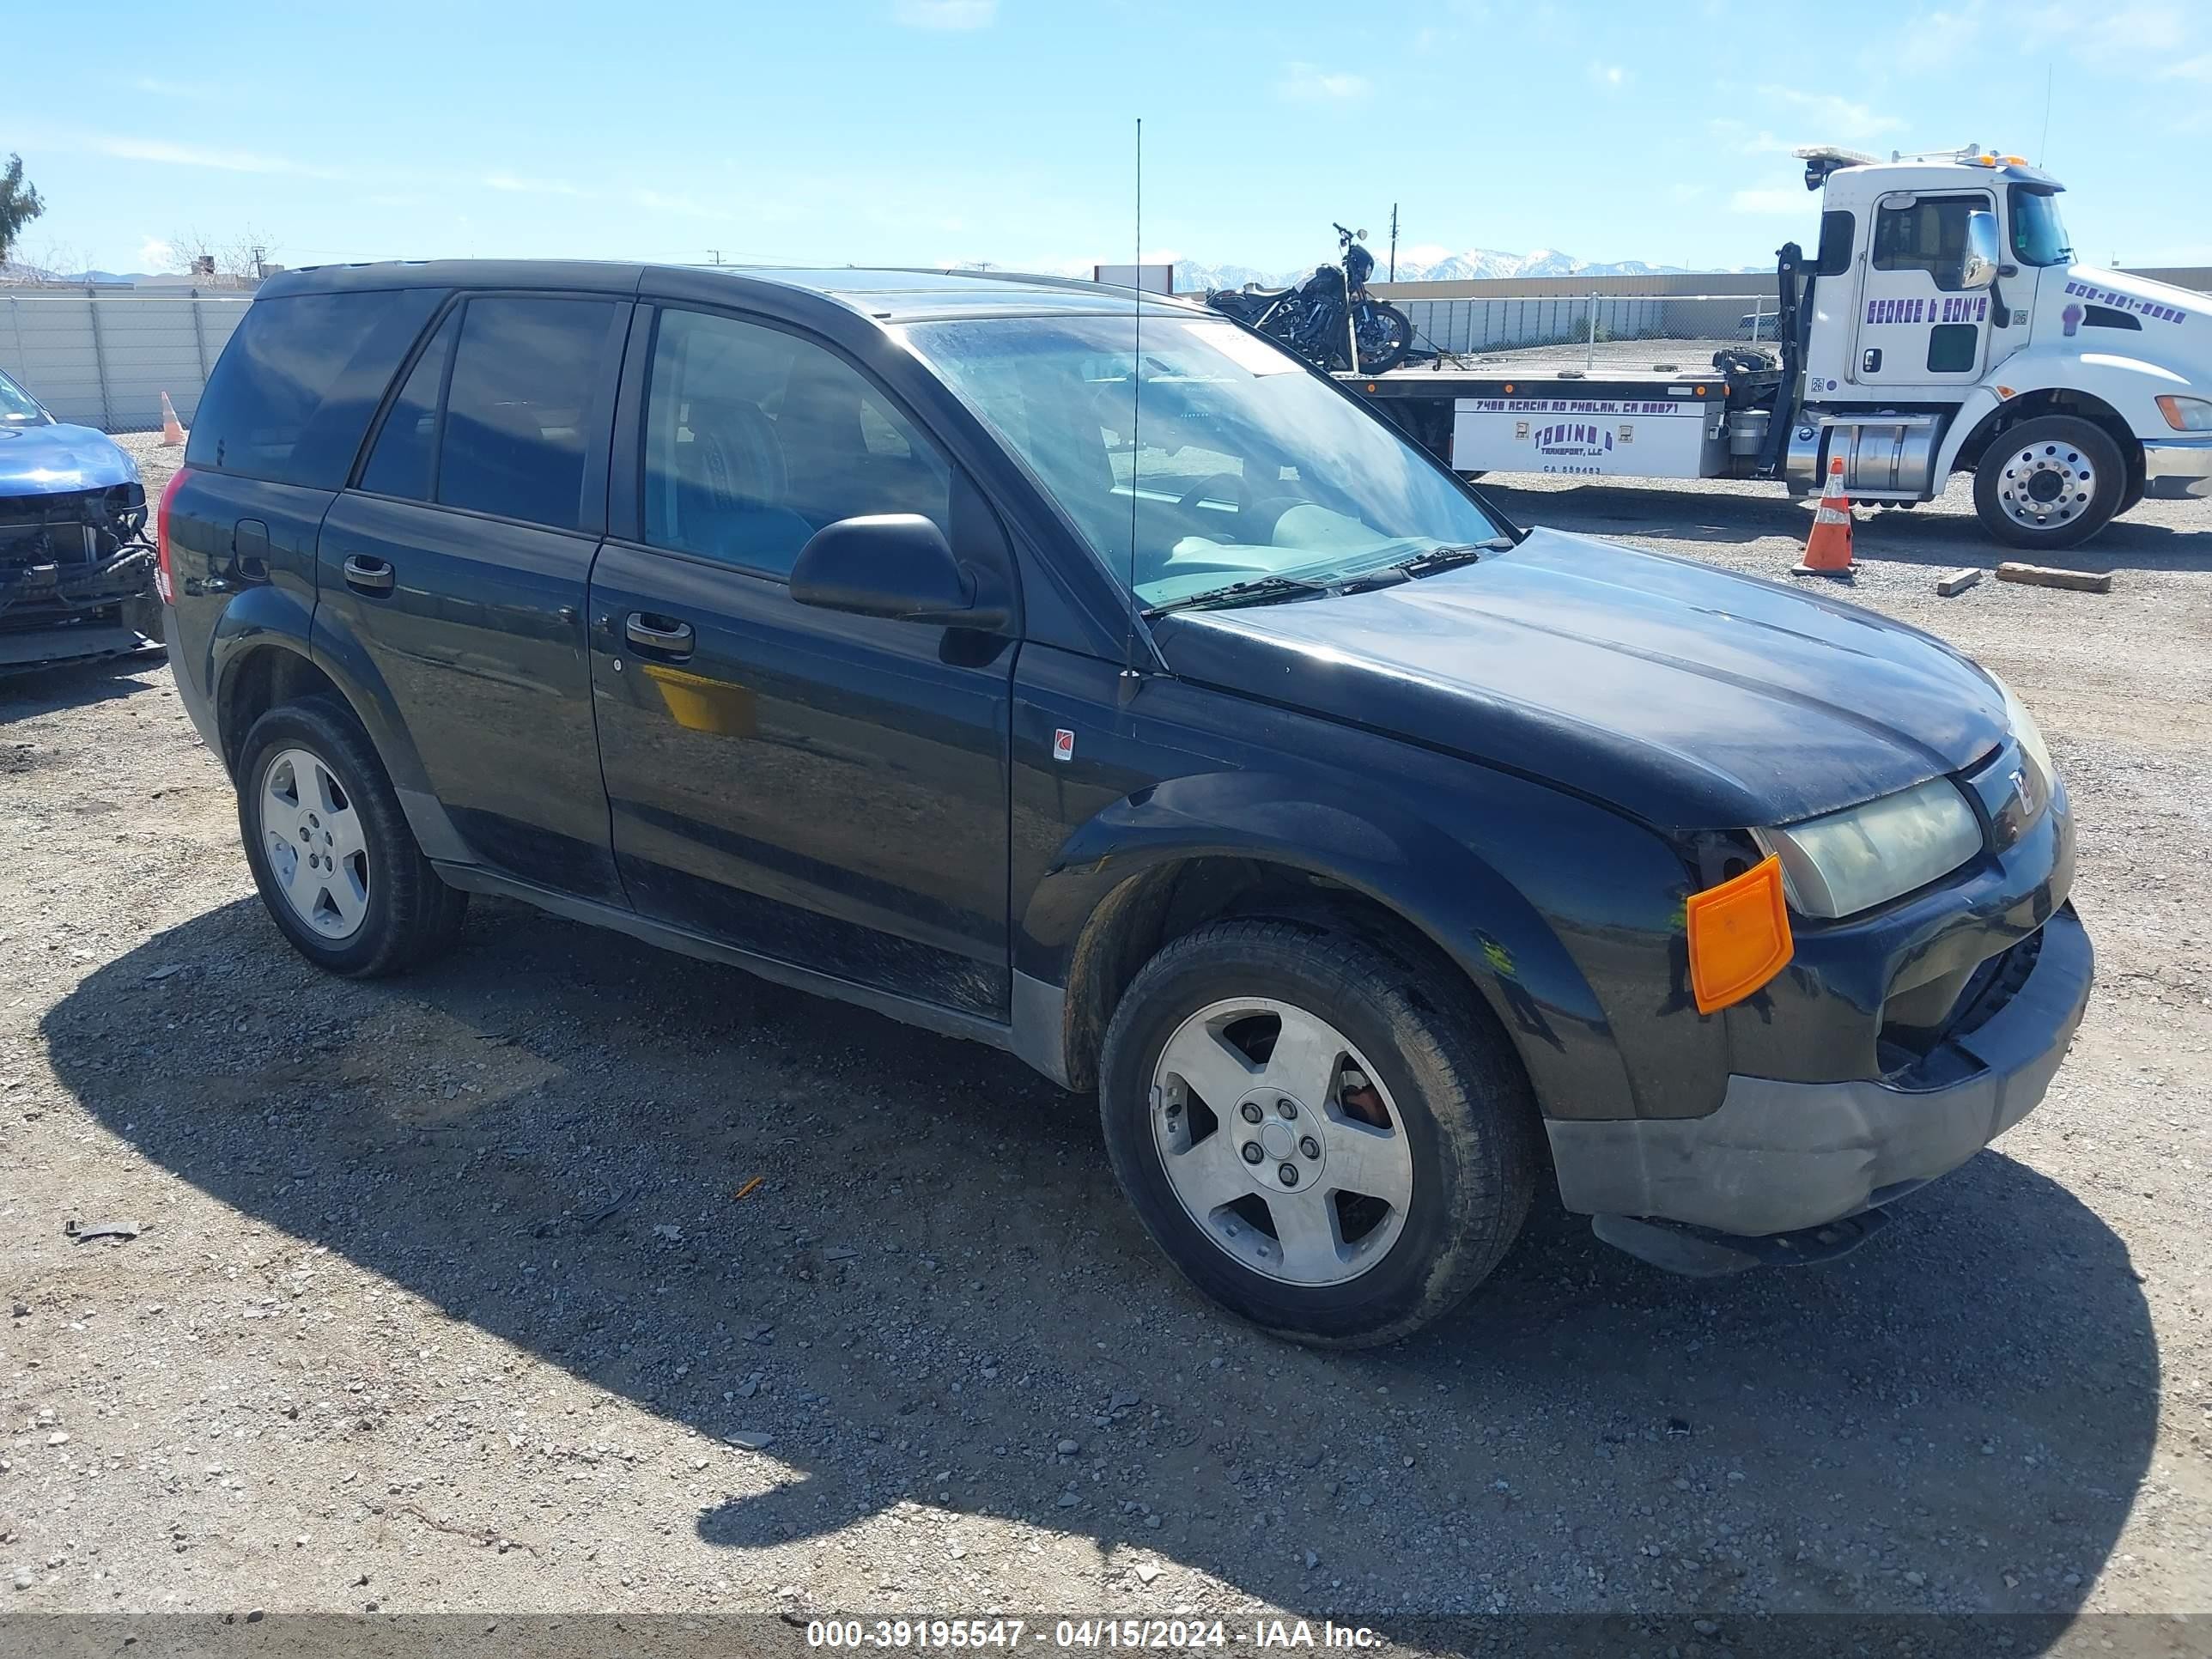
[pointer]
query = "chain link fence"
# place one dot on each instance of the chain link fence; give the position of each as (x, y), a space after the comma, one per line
(104, 359)
(1592, 330)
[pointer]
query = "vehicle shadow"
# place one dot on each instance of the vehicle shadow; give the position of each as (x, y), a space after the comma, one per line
(31, 691)
(1921, 535)
(936, 1282)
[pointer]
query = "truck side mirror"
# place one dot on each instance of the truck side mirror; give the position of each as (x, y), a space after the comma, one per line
(1979, 268)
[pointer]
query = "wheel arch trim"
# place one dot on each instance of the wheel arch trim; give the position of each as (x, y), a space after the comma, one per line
(1429, 880)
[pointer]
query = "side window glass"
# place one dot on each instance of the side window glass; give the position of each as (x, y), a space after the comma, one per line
(1839, 226)
(403, 463)
(299, 381)
(1929, 235)
(526, 376)
(755, 438)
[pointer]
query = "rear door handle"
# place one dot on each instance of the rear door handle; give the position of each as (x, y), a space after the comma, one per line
(365, 574)
(659, 635)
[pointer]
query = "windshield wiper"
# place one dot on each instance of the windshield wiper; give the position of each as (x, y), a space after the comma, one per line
(1264, 591)
(1449, 555)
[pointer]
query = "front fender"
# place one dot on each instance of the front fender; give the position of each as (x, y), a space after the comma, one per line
(1442, 883)
(2124, 384)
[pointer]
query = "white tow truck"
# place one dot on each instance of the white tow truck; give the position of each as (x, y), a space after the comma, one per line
(1944, 327)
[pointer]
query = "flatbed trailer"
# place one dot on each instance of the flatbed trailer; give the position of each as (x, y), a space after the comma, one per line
(1667, 420)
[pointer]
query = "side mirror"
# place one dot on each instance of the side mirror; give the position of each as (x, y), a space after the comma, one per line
(1979, 268)
(894, 565)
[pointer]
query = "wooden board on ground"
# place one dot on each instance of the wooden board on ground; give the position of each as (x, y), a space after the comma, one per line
(1956, 582)
(2039, 575)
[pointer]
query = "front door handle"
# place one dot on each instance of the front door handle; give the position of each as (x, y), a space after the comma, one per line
(659, 635)
(365, 574)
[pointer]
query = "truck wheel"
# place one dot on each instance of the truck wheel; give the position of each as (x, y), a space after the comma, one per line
(2051, 481)
(338, 868)
(1313, 1145)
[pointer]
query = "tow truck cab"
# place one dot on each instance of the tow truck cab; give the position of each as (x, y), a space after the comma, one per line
(1946, 293)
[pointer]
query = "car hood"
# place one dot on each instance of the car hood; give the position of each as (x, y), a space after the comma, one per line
(43, 460)
(1687, 696)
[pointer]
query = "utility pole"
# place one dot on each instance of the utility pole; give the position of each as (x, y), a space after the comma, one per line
(1393, 241)
(714, 255)
(260, 262)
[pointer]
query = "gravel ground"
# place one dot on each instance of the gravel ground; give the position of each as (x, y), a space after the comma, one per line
(455, 1294)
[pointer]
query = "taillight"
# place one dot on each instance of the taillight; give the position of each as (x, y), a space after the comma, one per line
(164, 581)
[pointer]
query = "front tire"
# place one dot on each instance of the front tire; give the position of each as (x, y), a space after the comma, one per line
(1395, 1137)
(2052, 482)
(338, 869)
(1386, 336)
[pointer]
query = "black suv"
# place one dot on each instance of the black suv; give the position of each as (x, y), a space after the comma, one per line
(1077, 672)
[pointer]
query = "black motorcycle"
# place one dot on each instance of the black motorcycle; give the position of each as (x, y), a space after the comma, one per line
(1329, 319)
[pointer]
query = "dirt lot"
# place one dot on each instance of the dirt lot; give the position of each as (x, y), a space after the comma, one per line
(446, 1300)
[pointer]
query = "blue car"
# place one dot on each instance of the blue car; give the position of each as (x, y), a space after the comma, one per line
(76, 573)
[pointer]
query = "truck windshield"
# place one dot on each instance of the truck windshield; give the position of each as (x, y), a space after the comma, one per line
(1224, 460)
(2038, 235)
(16, 404)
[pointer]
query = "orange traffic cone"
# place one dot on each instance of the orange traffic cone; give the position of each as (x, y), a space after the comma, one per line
(1828, 549)
(172, 429)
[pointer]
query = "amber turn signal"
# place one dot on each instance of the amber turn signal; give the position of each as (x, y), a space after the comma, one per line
(1739, 936)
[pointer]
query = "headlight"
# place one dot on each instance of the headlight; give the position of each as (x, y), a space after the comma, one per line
(1852, 861)
(2029, 737)
(2186, 414)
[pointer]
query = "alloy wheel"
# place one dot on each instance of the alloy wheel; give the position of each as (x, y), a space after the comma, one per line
(1280, 1142)
(316, 847)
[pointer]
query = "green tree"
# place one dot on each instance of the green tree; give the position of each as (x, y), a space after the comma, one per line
(19, 205)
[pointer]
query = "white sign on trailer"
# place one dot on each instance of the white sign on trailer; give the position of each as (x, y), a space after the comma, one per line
(1635, 437)
(1152, 279)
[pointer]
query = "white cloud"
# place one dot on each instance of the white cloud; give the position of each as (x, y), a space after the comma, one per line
(1929, 41)
(192, 91)
(1306, 83)
(1609, 78)
(527, 186)
(2193, 68)
(945, 14)
(1836, 118)
(197, 156)
(156, 254)
(684, 206)
(1769, 201)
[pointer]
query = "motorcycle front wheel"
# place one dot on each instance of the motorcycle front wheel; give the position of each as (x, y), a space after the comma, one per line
(1385, 335)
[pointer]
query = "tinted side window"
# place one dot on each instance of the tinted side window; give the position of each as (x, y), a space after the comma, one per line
(528, 378)
(403, 462)
(1929, 235)
(755, 438)
(1838, 227)
(296, 386)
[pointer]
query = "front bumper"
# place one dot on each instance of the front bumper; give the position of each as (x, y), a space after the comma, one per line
(52, 613)
(2181, 467)
(1781, 1156)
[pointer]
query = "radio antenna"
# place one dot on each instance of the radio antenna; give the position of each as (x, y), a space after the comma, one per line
(1136, 396)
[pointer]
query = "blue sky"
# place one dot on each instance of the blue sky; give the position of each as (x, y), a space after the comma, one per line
(901, 131)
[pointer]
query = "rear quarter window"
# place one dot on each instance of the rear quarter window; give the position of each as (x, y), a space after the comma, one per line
(300, 377)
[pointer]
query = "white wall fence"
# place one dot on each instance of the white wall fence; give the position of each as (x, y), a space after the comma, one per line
(104, 359)
(1515, 324)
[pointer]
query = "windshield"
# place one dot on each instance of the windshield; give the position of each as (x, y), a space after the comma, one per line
(2038, 235)
(16, 404)
(1224, 459)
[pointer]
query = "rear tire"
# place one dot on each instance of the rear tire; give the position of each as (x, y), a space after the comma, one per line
(1386, 1226)
(339, 871)
(2052, 482)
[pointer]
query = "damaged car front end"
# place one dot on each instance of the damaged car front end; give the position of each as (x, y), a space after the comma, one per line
(77, 572)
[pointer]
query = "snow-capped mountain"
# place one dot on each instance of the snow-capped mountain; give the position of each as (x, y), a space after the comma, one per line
(1425, 265)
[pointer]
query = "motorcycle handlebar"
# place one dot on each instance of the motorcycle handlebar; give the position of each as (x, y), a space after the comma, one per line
(1342, 232)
